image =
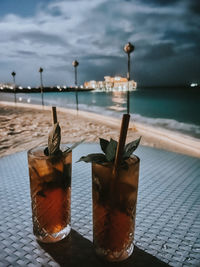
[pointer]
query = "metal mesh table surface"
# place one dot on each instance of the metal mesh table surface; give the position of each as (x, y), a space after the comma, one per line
(167, 221)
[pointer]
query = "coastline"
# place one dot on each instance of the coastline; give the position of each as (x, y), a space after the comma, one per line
(23, 127)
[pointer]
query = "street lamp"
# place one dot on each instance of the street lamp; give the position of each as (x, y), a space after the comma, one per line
(75, 64)
(13, 74)
(41, 85)
(128, 48)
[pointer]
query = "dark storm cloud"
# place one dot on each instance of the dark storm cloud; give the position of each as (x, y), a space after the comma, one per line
(26, 53)
(160, 2)
(99, 57)
(160, 51)
(59, 67)
(41, 37)
(165, 33)
(115, 66)
(189, 41)
(182, 37)
(55, 12)
(195, 6)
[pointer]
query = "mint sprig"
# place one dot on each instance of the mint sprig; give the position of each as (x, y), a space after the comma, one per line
(95, 157)
(54, 142)
(103, 143)
(130, 148)
(109, 148)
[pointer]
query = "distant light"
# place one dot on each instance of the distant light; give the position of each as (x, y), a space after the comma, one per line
(20, 87)
(29, 87)
(20, 98)
(58, 86)
(64, 86)
(28, 100)
(193, 84)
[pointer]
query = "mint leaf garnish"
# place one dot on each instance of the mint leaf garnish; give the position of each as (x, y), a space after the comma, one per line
(130, 148)
(111, 150)
(46, 151)
(54, 140)
(103, 143)
(96, 158)
(54, 143)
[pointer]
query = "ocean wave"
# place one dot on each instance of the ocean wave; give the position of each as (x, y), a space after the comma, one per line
(170, 124)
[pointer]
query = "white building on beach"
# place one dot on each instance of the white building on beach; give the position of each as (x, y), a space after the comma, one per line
(116, 83)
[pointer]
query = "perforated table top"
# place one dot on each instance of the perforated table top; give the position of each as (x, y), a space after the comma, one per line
(167, 221)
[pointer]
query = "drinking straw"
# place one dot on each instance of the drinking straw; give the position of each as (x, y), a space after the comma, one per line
(121, 143)
(54, 115)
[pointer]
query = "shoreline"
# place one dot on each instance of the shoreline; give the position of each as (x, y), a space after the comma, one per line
(85, 124)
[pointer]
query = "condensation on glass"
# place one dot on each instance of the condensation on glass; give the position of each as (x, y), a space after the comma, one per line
(114, 209)
(50, 187)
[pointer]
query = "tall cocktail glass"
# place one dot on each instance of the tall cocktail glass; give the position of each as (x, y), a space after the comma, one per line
(50, 186)
(114, 208)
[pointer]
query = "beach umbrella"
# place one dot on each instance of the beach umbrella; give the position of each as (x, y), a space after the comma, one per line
(75, 64)
(13, 74)
(41, 84)
(128, 48)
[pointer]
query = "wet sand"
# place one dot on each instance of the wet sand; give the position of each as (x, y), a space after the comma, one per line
(23, 126)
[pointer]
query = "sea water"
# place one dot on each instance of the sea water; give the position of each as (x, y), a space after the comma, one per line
(173, 109)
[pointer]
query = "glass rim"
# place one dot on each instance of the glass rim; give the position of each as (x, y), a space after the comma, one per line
(110, 164)
(31, 152)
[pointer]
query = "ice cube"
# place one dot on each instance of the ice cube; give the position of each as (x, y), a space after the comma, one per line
(103, 174)
(59, 166)
(44, 169)
(34, 177)
(35, 180)
(130, 175)
(127, 195)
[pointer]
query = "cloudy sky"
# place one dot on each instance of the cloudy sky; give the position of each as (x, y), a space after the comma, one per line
(52, 33)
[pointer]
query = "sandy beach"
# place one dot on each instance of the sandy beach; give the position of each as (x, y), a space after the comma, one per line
(23, 126)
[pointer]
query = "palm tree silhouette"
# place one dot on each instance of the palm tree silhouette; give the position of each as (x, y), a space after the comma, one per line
(13, 74)
(128, 48)
(75, 64)
(41, 85)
